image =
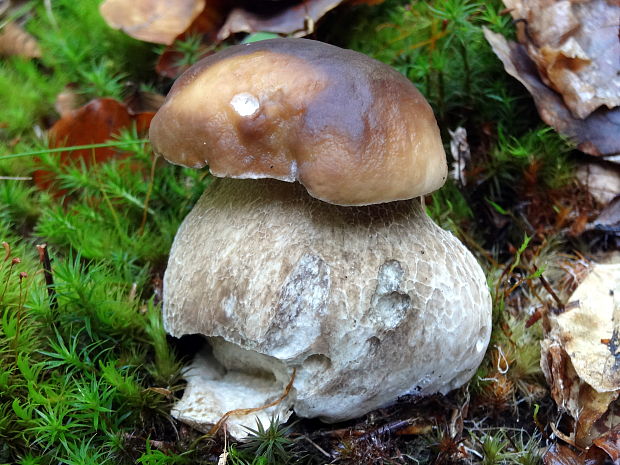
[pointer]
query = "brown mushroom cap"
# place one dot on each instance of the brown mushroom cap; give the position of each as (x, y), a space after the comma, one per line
(352, 130)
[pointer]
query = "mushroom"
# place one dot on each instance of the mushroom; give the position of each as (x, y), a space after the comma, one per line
(339, 281)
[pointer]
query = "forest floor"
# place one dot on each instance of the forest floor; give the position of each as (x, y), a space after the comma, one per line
(87, 372)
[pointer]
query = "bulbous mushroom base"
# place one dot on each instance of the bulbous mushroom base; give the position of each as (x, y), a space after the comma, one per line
(366, 303)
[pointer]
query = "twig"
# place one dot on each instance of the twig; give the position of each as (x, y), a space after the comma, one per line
(549, 289)
(44, 258)
(15, 178)
(247, 411)
(319, 448)
(388, 429)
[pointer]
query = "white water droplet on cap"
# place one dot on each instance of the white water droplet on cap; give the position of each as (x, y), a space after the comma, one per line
(245, 104)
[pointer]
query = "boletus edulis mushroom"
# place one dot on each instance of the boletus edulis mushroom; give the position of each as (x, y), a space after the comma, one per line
(337, 275)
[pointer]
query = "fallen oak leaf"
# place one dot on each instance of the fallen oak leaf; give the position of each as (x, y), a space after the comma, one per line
(558, 454)
(575, 47)
(297, 20)
(158, 21)
(610, 443)
(607, 444)
(595, 135)
(96, 122)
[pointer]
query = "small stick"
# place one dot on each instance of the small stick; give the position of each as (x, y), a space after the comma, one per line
(550, 290)
(319, 448)
(44, 258)
(389, 429)
(247, 411)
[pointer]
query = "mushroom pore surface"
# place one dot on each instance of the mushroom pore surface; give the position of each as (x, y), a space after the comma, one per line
(366, 303)
(335, 120)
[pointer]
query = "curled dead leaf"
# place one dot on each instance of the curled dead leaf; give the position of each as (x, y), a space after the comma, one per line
(583, 373)
(601, 179)
(610, 443)
(15, 41)
(561, 455)
(606, 445)
(575, 47)
(596, 135)
(608, 221)
(158, 21)
(297, 19)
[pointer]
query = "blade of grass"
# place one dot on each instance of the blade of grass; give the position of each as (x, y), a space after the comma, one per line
(69, 149)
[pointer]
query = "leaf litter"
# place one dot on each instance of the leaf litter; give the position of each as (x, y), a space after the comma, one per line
(568, 58)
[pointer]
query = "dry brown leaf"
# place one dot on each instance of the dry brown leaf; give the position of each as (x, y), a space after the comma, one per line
(15, 41)
(601, 179)
(575, 47)
(607, 444)
(608, 220)
(158, 21)
(561, 455)
(610, 443)
(96, 122)
(297, 20)
(597, 318)
(580, 357)
(595, 135)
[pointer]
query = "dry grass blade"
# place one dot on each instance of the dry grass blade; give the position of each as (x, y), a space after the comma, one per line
(247, 411)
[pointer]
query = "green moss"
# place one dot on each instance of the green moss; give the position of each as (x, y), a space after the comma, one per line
(91, 380)
(440, 47)
(27, 93)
